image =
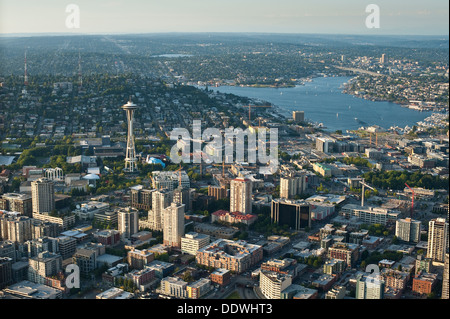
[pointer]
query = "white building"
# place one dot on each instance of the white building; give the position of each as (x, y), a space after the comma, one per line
(173, 226)
(43, 195)
(370, 215)
(128, 222)
(241, 196)
(369, 288)
(273, 283)
(437, 239)
(160, 200)
(192, 242)
(408, 230)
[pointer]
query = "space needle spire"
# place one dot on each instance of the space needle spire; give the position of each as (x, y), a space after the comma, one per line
(130, 158)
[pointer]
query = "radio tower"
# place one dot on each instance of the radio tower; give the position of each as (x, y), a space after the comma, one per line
(130, 159)
(80, 77)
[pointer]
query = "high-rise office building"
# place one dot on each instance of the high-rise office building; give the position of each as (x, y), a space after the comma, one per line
(437, 239)
(43, 195)
(173, 226)
(160, 200)
(294, 213)
(408, 230)
(128, 222)
(241, 196)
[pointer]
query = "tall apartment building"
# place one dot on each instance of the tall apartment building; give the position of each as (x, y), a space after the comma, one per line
(184, 196)
(21, 203)
(44, 265)
(445, 278)
(128, 222)
(295, 214)
(173, 226)
(423, 264)
(141, 198)
(241, 195)
(290, 186)
(67, 246)
(15, 228)
(366, 288)
(192, 242)
(408, 230)
(137, 259)
(273, 283)
(5, 272)
(218, 192)
(160, 200)
(437, 239)
(86, 259)
(41, 228)
(39, 245)
(43, 195)
(8, 249)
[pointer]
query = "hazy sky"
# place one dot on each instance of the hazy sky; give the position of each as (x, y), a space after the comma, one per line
(416, 17)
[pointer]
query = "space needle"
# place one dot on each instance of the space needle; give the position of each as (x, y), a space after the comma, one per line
(130, 159)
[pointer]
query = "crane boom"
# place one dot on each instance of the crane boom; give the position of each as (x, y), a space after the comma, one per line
(412, 202)
(363, 183)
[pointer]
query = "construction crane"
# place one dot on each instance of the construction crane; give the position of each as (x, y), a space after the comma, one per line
(179, 177)
(412, 202)
(376, 139)
(363, 183)
(250, 110)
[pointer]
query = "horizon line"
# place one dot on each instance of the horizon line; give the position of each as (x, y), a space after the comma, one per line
(37, 34)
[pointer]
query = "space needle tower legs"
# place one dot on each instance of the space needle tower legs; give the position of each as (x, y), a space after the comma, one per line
(130, 159)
